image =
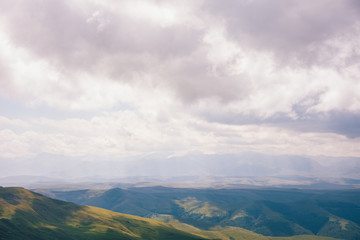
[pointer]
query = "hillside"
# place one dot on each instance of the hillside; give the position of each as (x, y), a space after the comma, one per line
(232, 233)
(269, 212)
(26, 215)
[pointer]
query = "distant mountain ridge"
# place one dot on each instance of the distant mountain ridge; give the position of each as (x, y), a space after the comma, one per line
(245, 164)
(96, 182)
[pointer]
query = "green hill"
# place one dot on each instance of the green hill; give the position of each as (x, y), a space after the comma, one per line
(231, 233)
(26, 215)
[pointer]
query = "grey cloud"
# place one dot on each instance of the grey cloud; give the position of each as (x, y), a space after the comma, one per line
(60, 33)
(292, 30)
(4, 77)
(63, 35)
(193, 79)
(122, 49)
(340, 122)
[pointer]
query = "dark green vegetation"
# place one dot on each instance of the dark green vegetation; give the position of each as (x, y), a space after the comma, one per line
(270, 212)
(26, 215)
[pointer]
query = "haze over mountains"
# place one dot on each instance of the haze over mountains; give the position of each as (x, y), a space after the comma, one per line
(249, 164)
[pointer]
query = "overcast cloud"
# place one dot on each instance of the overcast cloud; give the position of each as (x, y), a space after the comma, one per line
(95, 79)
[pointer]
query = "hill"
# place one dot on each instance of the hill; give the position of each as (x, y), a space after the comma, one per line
(26, 215)
(269, 212)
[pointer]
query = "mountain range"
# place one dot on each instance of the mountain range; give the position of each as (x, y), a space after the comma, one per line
(270, 212)
(27, 215)
(245, 164)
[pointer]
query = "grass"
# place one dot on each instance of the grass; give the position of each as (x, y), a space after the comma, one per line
(342, 222)
(194, 207)
(230, 233)
(303, 237)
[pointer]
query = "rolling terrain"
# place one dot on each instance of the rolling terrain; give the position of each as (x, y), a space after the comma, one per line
(27, 215)
(269, 212)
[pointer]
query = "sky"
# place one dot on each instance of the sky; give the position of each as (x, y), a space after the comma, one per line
(132, 82)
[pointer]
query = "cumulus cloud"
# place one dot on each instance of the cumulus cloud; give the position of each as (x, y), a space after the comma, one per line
(232, 53)
(82, 36)
(164, 76)
(288, 29)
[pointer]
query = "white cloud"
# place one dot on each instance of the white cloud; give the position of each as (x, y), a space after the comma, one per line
(126, 133)
(16, 123)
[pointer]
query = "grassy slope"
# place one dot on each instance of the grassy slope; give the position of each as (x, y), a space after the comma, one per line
(26, 215)
(231, 233)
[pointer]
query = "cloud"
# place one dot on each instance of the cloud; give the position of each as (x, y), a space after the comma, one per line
(7, 122)
(288, 29)
(128, 133)
(170, 78)
(229, 55)
(72, 48)
(82, 36)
